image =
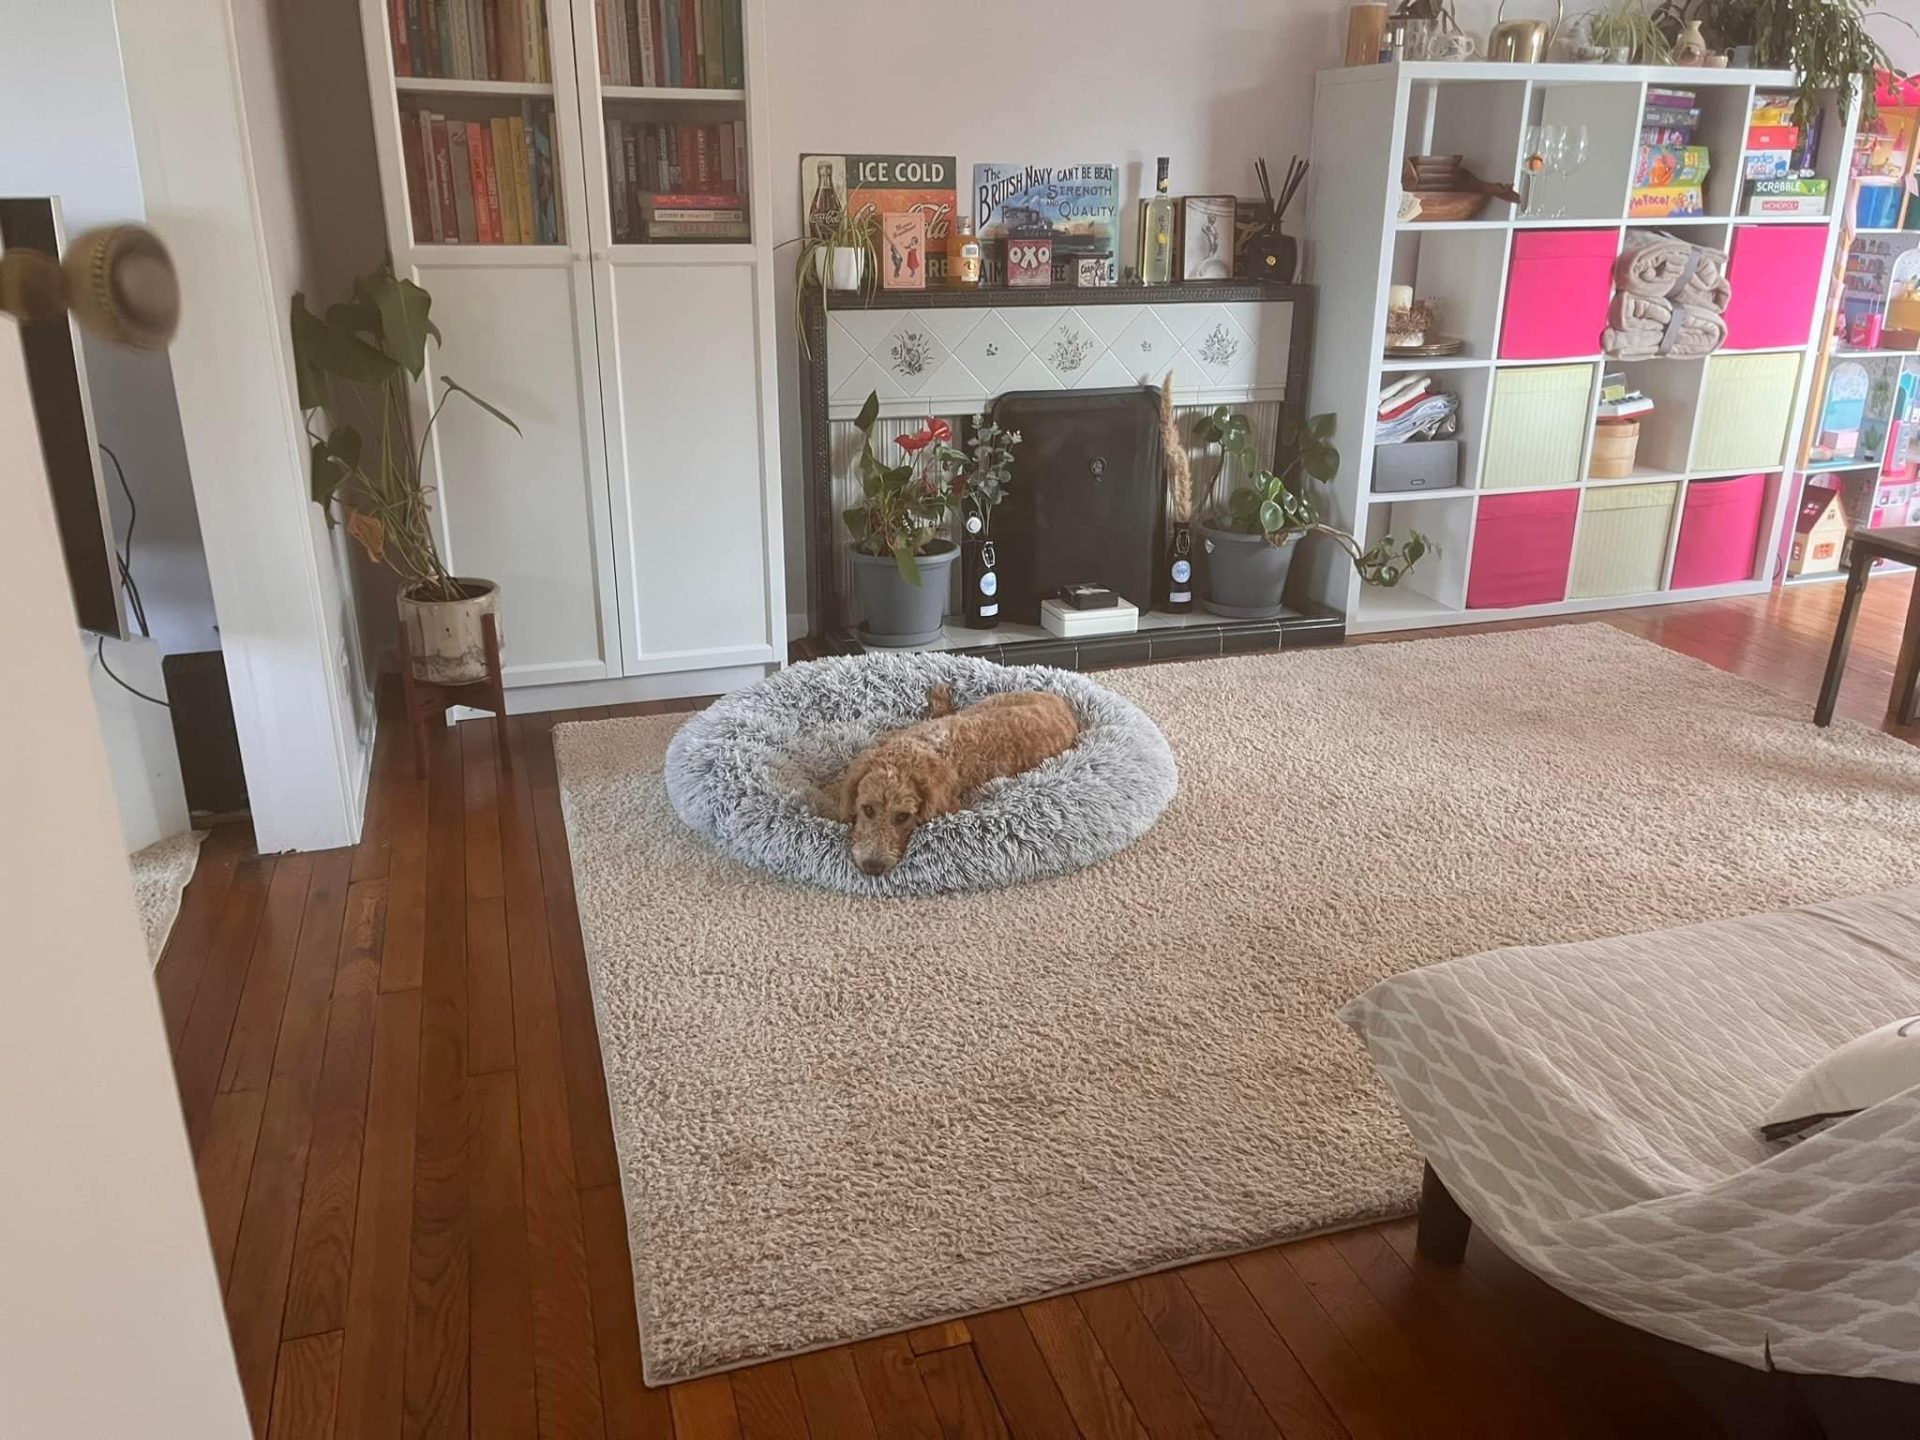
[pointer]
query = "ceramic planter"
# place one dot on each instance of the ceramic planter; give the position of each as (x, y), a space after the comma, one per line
(1246, 576)
(897, 612)
(841, 267)
(446, 637)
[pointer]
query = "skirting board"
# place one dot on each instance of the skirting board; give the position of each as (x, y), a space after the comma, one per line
(585, 694)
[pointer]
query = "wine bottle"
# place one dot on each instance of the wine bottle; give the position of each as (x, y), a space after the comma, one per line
(1179, 573)
(979, 577)
(1156, 232)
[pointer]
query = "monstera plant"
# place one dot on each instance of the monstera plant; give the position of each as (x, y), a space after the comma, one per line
(355, 364)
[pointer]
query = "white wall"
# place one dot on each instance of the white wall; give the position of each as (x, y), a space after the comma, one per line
(65, 130)
(112, 1323)
(216, 163)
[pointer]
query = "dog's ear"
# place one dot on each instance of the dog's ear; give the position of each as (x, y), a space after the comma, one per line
(940, 701)
(938, 785)
(849, 791)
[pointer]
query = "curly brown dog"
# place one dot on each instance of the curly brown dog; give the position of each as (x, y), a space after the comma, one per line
(933, 767)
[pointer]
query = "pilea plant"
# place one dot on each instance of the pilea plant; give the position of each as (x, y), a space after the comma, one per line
(1279, 506)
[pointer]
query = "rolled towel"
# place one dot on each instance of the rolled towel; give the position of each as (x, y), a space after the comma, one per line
(1662, 267)
(1641, 329)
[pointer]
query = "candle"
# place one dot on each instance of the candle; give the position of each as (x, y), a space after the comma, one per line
(1399, 297)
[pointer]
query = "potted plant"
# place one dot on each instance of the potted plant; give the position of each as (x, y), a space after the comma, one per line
(1249, 544)
(1625, 29)
(839, 256)
(901, 562)
(353, 364)
(981, 487)
(1824, 42)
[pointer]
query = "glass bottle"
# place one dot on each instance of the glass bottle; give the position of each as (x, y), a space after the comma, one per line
(1178, 576)
(1156, 232)
(979, 575)
(963, 254)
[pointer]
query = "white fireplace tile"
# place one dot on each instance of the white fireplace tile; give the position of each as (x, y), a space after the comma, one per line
(1032, 373)
(1224, 352)
(1109, 322)
(1107, 372)
(868, 327)
(1069, 349)
(910, 353)
(867, 376)
(951, 326)
(1031, 322)
(845, 354)
(991, 350)
(1182, 320)
(952, 388)
(1148, 347)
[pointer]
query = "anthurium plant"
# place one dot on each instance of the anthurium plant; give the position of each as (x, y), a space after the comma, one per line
(353, 365)
(1279, 505)
(905, 505)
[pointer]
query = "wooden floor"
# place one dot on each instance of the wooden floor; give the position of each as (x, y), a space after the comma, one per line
(388, 1066)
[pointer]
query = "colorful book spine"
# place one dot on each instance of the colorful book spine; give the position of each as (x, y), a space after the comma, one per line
(522, 185)
(546, 213)
(1670, 165)
(646, 73)
(1656, 201)
(460, 173)
(446, 215)
(689, 44)
(483, 233)
(500, 179)
(617, 177)
(713, 55)
(397, 36)
(459, 52)
(419, 193)
(1772, 137)
(734, 46)
(1800, 185)
(1670, 117)
(1787, 205)
(670, 20)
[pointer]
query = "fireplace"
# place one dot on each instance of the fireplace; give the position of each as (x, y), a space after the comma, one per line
(1076, 371)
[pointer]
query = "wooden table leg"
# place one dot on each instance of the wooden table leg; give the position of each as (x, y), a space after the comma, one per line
(490, 634)
(1444, 1227)
(1843, 637)
(1906, 670)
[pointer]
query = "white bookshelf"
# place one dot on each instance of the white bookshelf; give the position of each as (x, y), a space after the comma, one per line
(635, 522)
(1366, 120)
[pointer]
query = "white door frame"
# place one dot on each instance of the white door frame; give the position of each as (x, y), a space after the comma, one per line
(306, 763)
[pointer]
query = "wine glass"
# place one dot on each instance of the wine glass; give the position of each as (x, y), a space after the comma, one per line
(1571, 154)
(1532, 162)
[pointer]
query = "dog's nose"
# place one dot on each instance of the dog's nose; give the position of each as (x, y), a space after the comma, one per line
(874, 867)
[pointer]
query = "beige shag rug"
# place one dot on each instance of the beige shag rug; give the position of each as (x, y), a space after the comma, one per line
(840, 1117)
(160, 874)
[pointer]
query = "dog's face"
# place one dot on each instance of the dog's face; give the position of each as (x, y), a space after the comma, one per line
(885, 803)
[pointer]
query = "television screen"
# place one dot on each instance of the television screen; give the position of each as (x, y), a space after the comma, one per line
(56, 374)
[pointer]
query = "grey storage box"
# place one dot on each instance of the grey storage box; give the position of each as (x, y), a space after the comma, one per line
(1416, 465)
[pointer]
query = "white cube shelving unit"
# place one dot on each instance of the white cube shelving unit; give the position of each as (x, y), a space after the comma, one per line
(1367, 119)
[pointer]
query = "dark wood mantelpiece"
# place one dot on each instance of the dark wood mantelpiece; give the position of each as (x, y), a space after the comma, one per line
(1002, 297)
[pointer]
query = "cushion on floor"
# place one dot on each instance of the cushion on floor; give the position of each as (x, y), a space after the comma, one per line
(752, 771)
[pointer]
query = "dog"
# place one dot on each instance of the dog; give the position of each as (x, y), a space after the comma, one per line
(936, 765)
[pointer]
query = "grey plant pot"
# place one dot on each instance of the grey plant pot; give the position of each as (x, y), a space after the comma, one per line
(899, 614)
(1246, 576)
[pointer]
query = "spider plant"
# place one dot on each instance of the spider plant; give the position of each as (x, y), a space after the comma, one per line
(852, 230)
(1627, 25)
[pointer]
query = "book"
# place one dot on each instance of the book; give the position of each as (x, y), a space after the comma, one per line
(466, 229)
(699, 23)
(446, 218)
(670, 22)
(1656, 135)
(500, 178)
(643, 39)
(1654, 201)
(1772, 137)
(397, 35)
(689, 45)
(476, 184)
(669, 230)
(1668, 98)
(443, 39)
(546, 213)
(1670, 117)
(618, 143)
(414, 162)
(496, 209)
(490, 38)
(734, 42)
(657, 26)
(459, 62)
(513, 40)
(713, 54)
(533, 39)
(630, 162)
(418, 61)
(1767, 164)
(521, 184)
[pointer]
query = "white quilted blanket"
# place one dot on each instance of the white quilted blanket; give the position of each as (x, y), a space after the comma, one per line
(1594, 1108)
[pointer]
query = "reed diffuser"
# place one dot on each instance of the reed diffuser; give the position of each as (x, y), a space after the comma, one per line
(1177, 572)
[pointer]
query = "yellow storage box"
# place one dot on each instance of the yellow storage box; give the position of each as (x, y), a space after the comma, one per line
(1622, 545)
(1537, 430)
(1745, 403)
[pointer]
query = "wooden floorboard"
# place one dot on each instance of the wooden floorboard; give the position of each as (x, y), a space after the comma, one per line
(389, 1066)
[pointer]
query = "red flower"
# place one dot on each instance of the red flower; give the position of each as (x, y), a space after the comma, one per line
(940, 430)
(915, 442)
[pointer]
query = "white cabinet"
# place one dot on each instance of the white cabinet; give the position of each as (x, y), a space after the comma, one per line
(634, 523)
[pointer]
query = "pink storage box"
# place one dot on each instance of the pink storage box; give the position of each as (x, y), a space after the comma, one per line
(1719, 531)
(1775, 275)
(1558, 289)
(1522, 547)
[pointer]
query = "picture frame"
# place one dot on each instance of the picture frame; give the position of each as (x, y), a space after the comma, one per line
(1207, 237)
(903, 252)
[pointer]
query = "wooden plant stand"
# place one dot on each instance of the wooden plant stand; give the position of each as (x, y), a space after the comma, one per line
(425, 699)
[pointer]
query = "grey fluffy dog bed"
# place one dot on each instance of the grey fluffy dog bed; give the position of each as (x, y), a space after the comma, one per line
(753, 773)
